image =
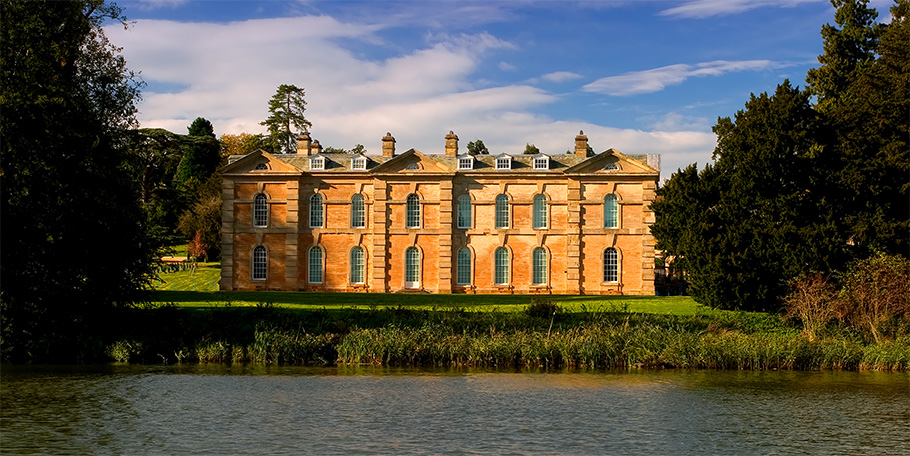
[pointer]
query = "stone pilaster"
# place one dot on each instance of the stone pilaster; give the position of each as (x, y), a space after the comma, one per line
(446, 224)
(380, 237)
(227, 235)
(573, 239)
(291, 247)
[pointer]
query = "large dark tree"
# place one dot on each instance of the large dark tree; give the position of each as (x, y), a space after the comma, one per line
(798, 187)
(201, 155)
(286, 118)
(74, 240)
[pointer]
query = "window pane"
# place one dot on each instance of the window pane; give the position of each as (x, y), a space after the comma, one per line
(502, 211)
(412, 266)
(315, 265)
(540, 211)
(464, 266)
(464, 211)
(413, 211)
(539, 276)
(260, 263)
(357, 264)
(358, 213)
(501, 265)
(611, 212)
(316, 211)
(610, 266)
(260, 210)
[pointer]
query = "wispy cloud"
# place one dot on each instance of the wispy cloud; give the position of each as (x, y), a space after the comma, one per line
(560, 76)
(707, 8)
(657, 79)
(148, 5)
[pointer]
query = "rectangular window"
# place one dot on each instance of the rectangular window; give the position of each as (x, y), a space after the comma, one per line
(317, 163)
(464, 266)
(359, 163)
(540, 211)
(501, 266)
(413, 211)
(539, 273)
(502, 212)
(358, 212)
(465, 163)
(357, 264)
(503, 163)
(541, 163)
(315, 263)
(464, 212)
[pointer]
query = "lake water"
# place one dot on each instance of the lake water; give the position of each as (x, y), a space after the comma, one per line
(220, 410)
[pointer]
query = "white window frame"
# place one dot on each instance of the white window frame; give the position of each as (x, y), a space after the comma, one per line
(359, 163)
(540, 221)
(259, 270)
(541, 162)
(501, 266)
(611, 265)
(315, 272)
(260, 210)
(464, 215)
(317, 211)
(503, 163)
(464, 266)
(611, 211)
(413, 215)
(357, 266)
(317, 163)
(466, 163)
(502, 214)
(539, 267)
(412, 267)
(358, 211)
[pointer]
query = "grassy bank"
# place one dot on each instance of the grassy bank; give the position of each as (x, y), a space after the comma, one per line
(403, 336)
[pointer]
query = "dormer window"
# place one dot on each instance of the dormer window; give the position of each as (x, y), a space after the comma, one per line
(611, 166)
(359, 163)
(317, 163)
(466, 163)
(504, 162)
(542, 162)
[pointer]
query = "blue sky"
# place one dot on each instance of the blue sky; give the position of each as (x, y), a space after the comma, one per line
(638, 76)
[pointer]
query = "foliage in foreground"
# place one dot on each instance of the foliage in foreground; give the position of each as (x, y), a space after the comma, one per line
(403, 337)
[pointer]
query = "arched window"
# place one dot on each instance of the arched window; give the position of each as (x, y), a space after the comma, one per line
(315, 275)
(260, 263)
(358, 212)
(463, 266)
(357, 265)
(611, 265)
(412, 268)
(413, 211)
(502, 211)
(501, 266)
(316, 211)
(539, 266)
(261, 211)
(464, 211)
(540, 211)
(611, 212)
(261, 167)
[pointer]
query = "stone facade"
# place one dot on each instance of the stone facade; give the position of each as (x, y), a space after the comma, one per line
(448, 223)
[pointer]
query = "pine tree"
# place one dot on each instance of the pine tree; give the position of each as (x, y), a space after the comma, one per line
(286, 118)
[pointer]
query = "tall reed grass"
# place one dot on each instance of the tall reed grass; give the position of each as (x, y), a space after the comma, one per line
(445, 338)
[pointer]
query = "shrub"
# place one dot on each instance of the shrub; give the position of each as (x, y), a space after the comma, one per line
(543, 308)
(875, 299)
(812, 301)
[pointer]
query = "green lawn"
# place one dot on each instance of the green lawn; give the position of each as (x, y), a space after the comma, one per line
(197, 289)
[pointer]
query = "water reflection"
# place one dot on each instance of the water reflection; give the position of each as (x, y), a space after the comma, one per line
(215, 409)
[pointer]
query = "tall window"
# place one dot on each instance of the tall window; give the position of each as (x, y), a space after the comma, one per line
(539, 266)
(502, 211)
(611, 265)
(358, 213)
(464, 266)
(413, 211)
(611, 212)
(260, 263)
(260, 210)
(316, 211)
(540, 211)
(357, 265)
(464, 211)
(412, 268)
(501, 266)
(315, 265)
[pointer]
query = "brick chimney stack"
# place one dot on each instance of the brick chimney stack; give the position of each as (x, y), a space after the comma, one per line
(581, 145)
(315, 148)
(388, 145)
(451, 144)
(303, 143)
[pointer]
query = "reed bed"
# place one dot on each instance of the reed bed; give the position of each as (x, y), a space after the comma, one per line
(450, 338)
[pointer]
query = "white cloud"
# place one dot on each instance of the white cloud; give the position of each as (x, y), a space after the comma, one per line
(674, 121)
(227, 72)
(561, 76)
(148, 5)
(700, 9)
(657, 79)
(506, 66)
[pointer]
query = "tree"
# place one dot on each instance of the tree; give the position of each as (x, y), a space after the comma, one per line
(201, 155)
(244, 143)
(531, 149)
(74, 236)
(477, 148)
(201, 127)
(286, 109)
